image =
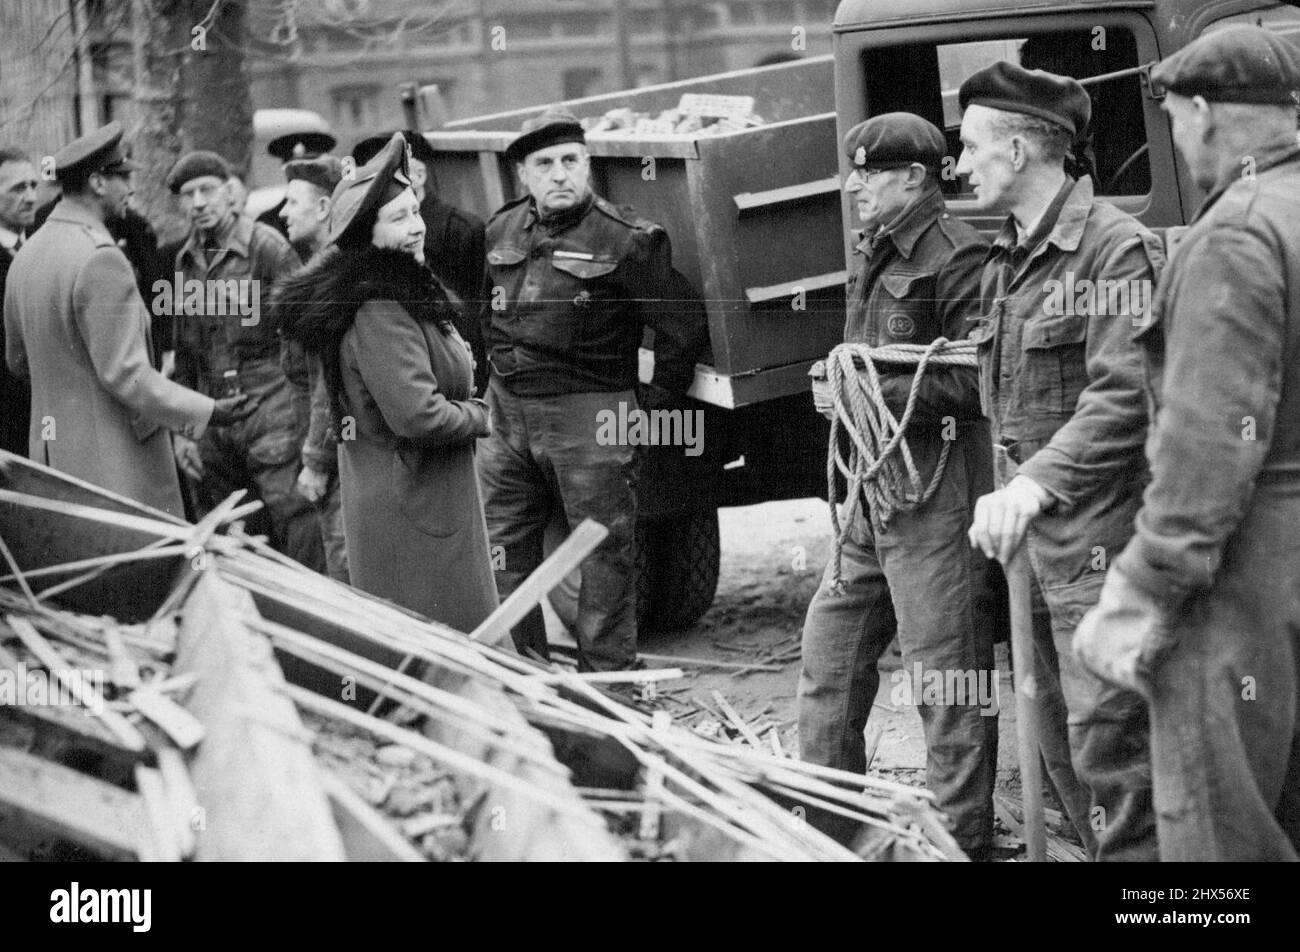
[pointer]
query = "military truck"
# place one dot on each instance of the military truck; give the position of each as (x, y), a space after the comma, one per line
(758, 219)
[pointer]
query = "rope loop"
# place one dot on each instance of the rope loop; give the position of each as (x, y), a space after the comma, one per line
(879, 464)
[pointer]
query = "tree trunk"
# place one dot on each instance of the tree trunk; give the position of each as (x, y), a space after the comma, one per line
(191, 92)
(218, 107)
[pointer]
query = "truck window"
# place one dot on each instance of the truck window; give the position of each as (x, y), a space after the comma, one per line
(1117, 135)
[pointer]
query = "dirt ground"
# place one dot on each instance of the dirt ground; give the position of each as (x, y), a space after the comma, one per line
(772, 559)
(773, 555)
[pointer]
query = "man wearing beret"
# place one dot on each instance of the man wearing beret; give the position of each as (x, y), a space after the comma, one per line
(572, 282)
(1200, 611)
(227, 343)
(915, 278)
(76, 326)
(453, 240)
(308, 200)
(1061, 383)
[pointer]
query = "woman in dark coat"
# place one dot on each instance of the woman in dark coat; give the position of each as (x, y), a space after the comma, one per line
(400, 381)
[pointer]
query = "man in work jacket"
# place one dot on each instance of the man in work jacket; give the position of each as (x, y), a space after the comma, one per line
(1200, 611)
(572, 282)
(1060, 380)
(916, 278)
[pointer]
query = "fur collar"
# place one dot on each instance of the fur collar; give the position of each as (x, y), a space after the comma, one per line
(318, 304)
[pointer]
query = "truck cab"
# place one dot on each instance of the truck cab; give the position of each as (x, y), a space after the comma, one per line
(1108, 46)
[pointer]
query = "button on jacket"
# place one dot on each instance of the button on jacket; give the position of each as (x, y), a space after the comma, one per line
(569, 296)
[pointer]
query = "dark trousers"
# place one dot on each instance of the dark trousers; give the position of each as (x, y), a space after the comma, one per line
(1226, 708)
(543, 457)
(920, 576)
(263, 454)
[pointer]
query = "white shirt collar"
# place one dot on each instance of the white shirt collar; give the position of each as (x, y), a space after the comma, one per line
(9, 238)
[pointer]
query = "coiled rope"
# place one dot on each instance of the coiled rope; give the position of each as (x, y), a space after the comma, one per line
(879, 464)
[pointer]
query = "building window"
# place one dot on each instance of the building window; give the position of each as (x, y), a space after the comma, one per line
(355, 105)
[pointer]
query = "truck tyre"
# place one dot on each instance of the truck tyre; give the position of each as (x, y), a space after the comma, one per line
(677, 562)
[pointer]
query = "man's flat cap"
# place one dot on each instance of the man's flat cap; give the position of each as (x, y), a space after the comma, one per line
(894, 139)
(325, 172)
(301, 145)
(99, 151)
(194, 165)
(552, 127)
(357, 200)
(1031, 92)
(367, 149)
(1238, 63)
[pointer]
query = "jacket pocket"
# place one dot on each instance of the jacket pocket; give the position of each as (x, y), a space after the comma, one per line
(1056, 361)
(432, 488)
(906, 306)
(505, 256)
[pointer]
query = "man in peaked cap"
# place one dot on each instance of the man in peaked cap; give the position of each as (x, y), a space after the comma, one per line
(915, 278)
(227, 341)
(76, 325)
(453, 240)
(1061, 383)
(305, 144)
(1199, 612)
(573, 280)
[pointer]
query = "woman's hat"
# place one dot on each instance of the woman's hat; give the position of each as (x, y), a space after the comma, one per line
(358, 198)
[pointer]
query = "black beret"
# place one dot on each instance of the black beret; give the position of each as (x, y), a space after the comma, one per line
(357, 200)
(196, 165)
(325, 172)
(368, 148)
(894, 138)
(1031, 92)
(1238, 63)
(301, 145)
(99, 151)
(552, 127)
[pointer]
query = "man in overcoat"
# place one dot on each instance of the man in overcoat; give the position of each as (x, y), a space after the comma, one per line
(76, 326)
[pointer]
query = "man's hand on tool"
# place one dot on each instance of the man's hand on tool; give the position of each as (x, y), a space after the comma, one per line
(1002, 517)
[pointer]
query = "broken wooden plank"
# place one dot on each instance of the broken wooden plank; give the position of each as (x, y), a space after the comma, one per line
(254, 774)
(736, 720)
(85, 694)
(181, 799)
(176, 722)
(367, 836)
(165, 846)
(58, 800)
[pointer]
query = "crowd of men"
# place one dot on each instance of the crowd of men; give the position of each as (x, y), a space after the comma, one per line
(1146, 462)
